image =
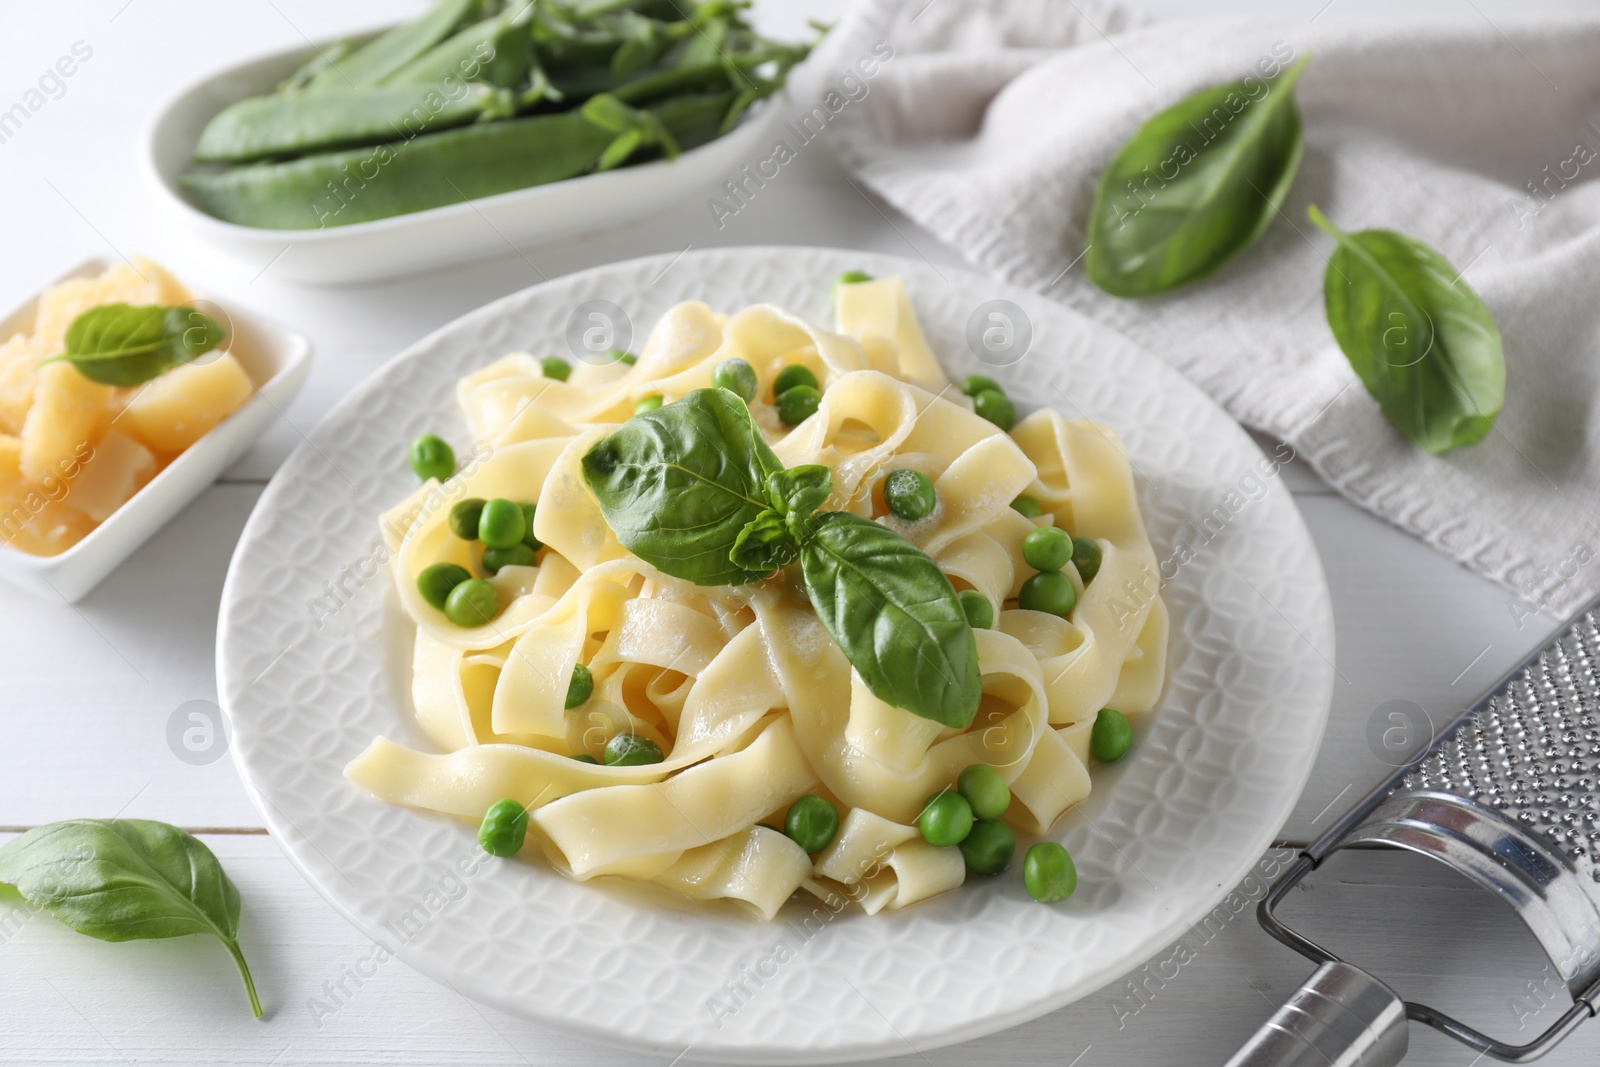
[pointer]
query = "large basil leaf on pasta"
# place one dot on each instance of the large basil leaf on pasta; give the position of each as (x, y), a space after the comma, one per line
(127, 880)
(1195, 186)
(895, 616)
(678, 484)
(1422, 342)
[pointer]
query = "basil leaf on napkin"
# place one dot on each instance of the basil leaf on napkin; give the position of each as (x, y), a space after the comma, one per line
(1421, 341)
(1195, 186)
(678, 484)
(127, 880)
(895, 615)
(124, 345)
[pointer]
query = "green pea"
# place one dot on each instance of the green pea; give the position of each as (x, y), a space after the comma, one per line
(946, 819)
(436, 582)
(989, 847)
(648, 403)
(849, 277)
(1027, 507)
(985, 790)
(1111, 736)
(995, 406)
(432, 457)
(973, 384)
(580, 688)
(797, 404)
(584, 757)
(464, 518)
(1048, 548)
(501, 523)
(909, 494)
(979, 612)
(792, 375)
(631, 750)
(1086, 555)
(1048, 591)
(472, 603)
(1048, 873)
(528, 511)
(504, 828)
(556, 367)
(737, 377)
(517, 555)
(624, 357)
(811, 823)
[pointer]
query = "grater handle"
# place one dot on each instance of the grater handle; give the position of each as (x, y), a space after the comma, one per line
(1341, 1017)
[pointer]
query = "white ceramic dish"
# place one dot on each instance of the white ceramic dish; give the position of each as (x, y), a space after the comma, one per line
(438, 237)
(276, 360)
(308, 679)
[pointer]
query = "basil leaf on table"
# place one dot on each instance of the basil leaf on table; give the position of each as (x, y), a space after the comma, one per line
(1421, 341)
(1195, 186)
(678, 484)
(127, 880)
(124, 345)
(895, 615)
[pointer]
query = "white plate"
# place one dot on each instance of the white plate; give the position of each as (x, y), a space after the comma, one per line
(309, 672)
(437, 237)
(277, 362)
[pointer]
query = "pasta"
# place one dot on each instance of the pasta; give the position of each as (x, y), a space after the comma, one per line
(749, 701)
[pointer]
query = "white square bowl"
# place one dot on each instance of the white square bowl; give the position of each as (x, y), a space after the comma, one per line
(277, 362)
(440, 236)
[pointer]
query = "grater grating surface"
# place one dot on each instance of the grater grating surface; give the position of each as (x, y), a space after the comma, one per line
(1533, 752)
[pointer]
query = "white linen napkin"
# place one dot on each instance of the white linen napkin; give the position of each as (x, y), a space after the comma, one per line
(992, 121)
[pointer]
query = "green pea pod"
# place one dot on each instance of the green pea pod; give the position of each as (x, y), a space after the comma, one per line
(394, 48)
(358, 185)
(538, 89)
(289, 124)
(497, 50)
(634, 130)
(655, 86)
(325, 58)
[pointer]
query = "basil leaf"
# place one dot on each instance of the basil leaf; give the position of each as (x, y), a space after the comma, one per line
(1195, 186)
(127, 880)
(1422, 342)
(764, 545)
(895, 615)
(120, 344)
(799, 491)
(678, 484)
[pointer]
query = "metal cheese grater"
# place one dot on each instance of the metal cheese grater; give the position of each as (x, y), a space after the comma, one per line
(1506, 796)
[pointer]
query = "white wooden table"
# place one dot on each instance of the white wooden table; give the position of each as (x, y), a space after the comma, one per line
(88, 690)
